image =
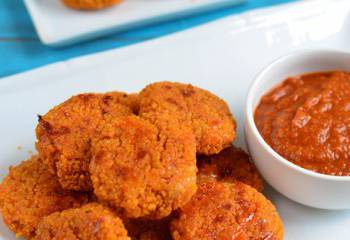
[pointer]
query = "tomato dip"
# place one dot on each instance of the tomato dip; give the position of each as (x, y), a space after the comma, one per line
(306, 119)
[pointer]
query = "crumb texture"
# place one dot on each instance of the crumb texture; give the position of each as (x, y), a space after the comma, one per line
(29, 193)
(145, 171)
(230, 165)
(64, 134)
(90, 222)
(227, 211)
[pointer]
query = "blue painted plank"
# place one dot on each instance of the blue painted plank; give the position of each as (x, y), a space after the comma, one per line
(21, 49)
(15, 21)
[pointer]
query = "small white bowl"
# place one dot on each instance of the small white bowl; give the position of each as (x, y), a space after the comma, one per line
(301, 185)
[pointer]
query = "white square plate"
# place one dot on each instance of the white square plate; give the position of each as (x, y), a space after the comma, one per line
(222, 57)
(58, 25)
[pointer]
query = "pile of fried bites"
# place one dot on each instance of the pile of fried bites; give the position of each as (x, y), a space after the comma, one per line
(156, 165)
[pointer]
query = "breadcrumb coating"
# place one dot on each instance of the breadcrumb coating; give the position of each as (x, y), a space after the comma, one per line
(227, 211)
(29, 193)
(90, 222)
(90, 4)
(231, 164)
(145, 171)
(207, 115)
(64, 134)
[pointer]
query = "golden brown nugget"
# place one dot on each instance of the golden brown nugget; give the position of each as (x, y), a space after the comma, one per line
(90, 222)
(208, 115)
(90, 4)
(231, 164)
(227, 211)
(64, 134)
(144, 171)
(29, 193)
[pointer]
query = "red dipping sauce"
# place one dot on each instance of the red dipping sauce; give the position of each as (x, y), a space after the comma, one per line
(306, 119)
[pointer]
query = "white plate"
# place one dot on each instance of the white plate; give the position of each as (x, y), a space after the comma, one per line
(223, 57)
(58, 25)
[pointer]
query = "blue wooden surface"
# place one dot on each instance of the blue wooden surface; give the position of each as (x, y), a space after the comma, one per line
(21, 50)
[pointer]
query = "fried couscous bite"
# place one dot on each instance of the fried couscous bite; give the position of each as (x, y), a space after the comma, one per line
(91, 221)
(209, 117)
(141, 169)
(64, 134)
(29, 193)
(231, 164)
(227, 211)
(90, 4)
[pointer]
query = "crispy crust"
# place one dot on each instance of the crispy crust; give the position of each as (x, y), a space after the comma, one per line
(30, 193)
(65, 132)
(207, 115)
(90, 4)
(92, 221)
(231, 164)
(145, 171)
(227, 211)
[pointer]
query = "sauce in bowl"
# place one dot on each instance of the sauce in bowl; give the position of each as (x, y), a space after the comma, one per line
(306, 120)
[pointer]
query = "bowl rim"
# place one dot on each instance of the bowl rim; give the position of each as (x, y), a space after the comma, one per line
(249, 111)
